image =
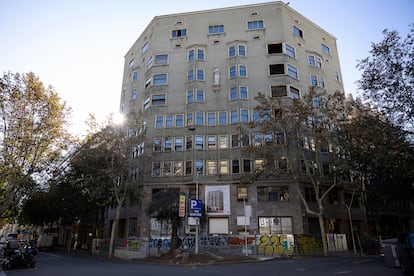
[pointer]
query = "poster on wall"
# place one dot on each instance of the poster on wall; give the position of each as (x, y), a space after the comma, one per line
(217, 200)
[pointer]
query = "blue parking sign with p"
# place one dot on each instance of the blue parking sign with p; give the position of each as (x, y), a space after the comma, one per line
(195, 207)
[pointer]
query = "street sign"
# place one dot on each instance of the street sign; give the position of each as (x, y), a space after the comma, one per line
(181, 210)
(195, 207)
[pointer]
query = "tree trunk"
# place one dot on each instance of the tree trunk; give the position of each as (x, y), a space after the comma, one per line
(113, 231)
(323, 234)
(174, 236)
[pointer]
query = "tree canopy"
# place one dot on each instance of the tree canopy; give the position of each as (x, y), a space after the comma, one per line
(33, 135)
(387, 81)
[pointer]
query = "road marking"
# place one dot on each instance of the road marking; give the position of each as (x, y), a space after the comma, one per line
(343, 272)
(50, 254)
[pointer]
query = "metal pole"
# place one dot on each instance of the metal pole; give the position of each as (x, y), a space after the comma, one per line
(245, 227)
(197, 218)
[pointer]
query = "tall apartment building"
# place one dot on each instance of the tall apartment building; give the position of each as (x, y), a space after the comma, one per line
(194, 76)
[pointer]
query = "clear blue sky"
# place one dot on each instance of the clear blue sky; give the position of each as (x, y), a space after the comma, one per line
(78, 46)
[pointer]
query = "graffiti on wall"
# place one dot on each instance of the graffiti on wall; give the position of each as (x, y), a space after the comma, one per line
(308, 244)
(276, 245)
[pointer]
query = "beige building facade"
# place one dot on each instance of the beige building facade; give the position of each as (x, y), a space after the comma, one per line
(194, 76)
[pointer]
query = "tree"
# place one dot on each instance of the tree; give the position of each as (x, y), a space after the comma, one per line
(299, 136)
(164, 206)
(33, 135)
(101, 167)
(387, 81)
(382, 160)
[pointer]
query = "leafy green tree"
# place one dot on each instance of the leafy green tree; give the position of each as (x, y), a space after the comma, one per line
(101, 166)
(33, 134)
(382, 160)
(300, 141)
(387, 81)
(164, 206)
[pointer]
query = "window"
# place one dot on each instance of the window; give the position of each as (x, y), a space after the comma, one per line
(211, 167)
(168, 144)
(189, 120)
(159, 121)
(224, 167)
(188, 167)
(211, 142)
(278, 193)
(290, 51)
(161, 59)
(237, 50)
(321, 82)
(336, 76)
(280, 138)
(277, 69)
(189, 142)
(257, 139)
(297, 31)
(197, 53)
(233, 71)
(244, 116)
(243, 92)
(133, 94)
(245, 140)
(274, 48)
(148, 65)
(148, 82)
(160, 79)
(243, 71)
(234, 116)
(146, 104)
(314, 61)
(222, 118)
(167, 168)
(200, 95)
(278, 91)
(135, 76)
(179, 120)
(311, 60)
(199, 166)
(233, 93)
(145, 48)
(326, 49)
(190, 75)
(235, 140)
(178, 167)
(156, 169)
(275, 225)
(247, 167)
(237, 71)
(131, 63)
(199, 118)
(178, 143)
(199, 142)
(157, 145)
(254, 25)
(223, 141)
(314, 80)
(158, 100)
(200, 54)
(292, 71)
(294, 93)
(258, 165)
(190, 96)
(235, 166)
(191, 55)
(200, 74)
(211, 119)
(216, 29)
(179, 33)
(169, 120)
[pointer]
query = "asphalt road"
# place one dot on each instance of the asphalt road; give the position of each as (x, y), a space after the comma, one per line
(51, 263)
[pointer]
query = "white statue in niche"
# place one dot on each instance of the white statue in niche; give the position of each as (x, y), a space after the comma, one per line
(216, 74)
